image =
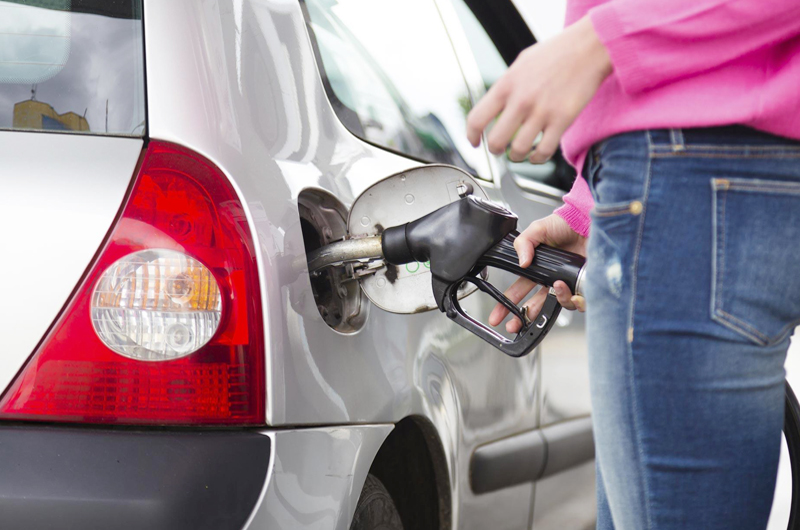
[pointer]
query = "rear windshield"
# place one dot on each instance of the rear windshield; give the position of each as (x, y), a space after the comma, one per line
(72, 66)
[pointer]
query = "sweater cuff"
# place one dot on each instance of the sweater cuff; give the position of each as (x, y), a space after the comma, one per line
(622, 48)
(577, 220)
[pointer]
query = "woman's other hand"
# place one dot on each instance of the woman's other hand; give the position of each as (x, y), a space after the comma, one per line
(555, 232)
(543, 91)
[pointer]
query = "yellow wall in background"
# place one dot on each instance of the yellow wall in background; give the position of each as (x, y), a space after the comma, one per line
(28, 115)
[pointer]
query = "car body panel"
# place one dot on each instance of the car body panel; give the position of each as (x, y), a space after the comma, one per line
(238, 83)
(59, 195)
(316, 476)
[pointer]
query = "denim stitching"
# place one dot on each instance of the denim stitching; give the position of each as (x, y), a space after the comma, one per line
(736, 329)
(688, 154)
(764, 186)
(718, 314)
(613, 211)
(776, 190)
(745, 147)
(718, 254)
(786, 330)
(744, 328)
(721, 249)
(714, 249)
(634, 394)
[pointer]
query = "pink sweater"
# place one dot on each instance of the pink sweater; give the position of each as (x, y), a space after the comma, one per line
(686, 63)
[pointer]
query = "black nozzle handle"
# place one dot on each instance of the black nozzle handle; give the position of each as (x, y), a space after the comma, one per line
(549, 264)
(531, 334)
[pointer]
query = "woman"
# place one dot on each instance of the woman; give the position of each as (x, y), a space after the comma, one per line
(682, 118)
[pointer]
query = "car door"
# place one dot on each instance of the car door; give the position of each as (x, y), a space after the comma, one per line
(392, 76)
(487, 38)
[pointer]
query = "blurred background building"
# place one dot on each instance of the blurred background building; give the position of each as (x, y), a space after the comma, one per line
(32, 114)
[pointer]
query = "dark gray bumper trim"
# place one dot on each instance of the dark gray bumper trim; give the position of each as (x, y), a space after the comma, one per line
(80, 478)
(532, 455)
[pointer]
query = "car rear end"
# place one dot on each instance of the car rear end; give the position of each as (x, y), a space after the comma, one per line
(132, 364)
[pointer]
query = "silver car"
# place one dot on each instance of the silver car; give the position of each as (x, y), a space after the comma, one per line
(168, 361)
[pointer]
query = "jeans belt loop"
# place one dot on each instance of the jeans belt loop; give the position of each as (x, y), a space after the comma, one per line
(677, 141)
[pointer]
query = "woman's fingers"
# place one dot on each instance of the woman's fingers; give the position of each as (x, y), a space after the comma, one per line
(552, 230)
(567, 299)
(518, 290)
(507, 124)
(525, 243)
(564, 295)
(580, 303)
(533, 306)
(550, 82)
(522, 145)
(546, 148)
(483, 113)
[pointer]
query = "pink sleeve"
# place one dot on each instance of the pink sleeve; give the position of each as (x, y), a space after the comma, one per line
(652, 43)
(577, 205)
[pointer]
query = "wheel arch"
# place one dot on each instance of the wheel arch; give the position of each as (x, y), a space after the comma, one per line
(412, 465)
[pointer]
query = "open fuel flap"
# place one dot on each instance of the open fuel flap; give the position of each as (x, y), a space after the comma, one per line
(422, 239)
(397, 200)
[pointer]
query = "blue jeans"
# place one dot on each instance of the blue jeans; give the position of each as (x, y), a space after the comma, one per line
(693, 290)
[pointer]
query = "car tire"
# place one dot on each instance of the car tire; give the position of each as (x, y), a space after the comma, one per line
(376, 509)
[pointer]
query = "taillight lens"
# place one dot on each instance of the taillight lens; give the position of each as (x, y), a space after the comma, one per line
(177, 283)
(156, 305)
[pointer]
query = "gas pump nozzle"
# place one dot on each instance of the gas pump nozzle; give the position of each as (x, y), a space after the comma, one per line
(463, 238)
(460, 240)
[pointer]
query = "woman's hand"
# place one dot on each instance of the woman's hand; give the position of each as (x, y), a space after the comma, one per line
(543, 91)
(553, 231)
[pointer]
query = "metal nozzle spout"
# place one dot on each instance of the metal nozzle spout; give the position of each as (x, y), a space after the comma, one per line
(347, 251)
(579, 282)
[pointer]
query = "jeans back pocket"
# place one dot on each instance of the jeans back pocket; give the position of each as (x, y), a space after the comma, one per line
(756, 257)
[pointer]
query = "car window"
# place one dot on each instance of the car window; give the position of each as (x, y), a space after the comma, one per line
(72, 66)
(556, 172)
(393, 78)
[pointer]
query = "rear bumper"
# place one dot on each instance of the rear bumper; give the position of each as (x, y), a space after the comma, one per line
(84, 478)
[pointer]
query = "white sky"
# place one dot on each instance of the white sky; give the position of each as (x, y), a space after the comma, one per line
(545, 17)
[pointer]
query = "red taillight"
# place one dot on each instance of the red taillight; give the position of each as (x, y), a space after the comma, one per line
(180, 202)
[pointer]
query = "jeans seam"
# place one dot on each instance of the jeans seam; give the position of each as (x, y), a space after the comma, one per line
(782, 191)
(714, 248)
(731, 322)
(718, 277)
(634, 388)
(792, 188)
(738, 326)
(723, 148)
(718, 255)
(614, 211)
(689, 154)
(718, 242)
